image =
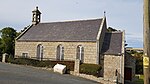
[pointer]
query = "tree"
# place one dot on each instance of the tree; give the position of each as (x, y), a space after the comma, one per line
(0, 50)
(8, 36)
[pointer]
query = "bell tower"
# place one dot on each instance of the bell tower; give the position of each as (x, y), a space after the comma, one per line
(36, 16)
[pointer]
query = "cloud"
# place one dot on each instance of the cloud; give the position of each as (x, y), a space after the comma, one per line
(121, 14)
(134, 43)
(134, 40)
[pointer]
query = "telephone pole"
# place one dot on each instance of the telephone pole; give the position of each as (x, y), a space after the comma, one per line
(146, 36)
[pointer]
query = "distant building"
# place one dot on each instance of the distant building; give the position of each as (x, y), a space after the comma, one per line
(130, 49)
(86, 40)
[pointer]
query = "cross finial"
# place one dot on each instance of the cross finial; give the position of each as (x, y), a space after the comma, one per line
(104, 13)
(36, 7)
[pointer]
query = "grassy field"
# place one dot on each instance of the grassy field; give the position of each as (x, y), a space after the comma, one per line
(140, 80)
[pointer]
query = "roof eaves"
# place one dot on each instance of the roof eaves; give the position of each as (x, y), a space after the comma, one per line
(116, 54)
(23, 32)
(54, 41)
(123, 42)
(100, 29)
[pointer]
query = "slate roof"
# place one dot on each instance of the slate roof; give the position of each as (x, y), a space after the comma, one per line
(82, 30)
(112, 43)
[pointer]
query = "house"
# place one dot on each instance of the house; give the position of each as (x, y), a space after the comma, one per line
(87, 40)
(130, 49)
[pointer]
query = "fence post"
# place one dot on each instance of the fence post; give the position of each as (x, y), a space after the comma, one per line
(4, 57)
(76, 66)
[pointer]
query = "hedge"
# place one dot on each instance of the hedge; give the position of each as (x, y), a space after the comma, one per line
(44, 63)
(91, 69)
(23, 61)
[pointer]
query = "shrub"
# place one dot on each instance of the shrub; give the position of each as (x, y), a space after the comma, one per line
(91, 69)
(139, 66)
(23, 61)
(44, 63)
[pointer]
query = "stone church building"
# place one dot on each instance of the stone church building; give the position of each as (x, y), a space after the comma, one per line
(87, 40)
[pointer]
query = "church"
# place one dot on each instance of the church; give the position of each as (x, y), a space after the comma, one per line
(86, 40)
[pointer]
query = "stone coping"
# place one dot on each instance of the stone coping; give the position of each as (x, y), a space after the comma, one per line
(97, 79)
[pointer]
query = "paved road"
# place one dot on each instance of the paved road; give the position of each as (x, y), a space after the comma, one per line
(16, 74)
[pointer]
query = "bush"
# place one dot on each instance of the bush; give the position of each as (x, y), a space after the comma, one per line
(27, 61)
(44, 63)
(139, 66)
(23, 61)
(90, 69)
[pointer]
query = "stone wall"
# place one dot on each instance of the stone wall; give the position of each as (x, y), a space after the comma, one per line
(91, 77)
(50, 49)
(111, 64)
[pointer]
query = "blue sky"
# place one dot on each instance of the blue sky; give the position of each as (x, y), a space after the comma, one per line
(121, 14)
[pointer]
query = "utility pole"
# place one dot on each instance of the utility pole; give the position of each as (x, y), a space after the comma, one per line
(146, 36)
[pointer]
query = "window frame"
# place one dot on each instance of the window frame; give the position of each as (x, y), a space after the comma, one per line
(39, 55)
(25, 55)
(80, 53)
(60, 52)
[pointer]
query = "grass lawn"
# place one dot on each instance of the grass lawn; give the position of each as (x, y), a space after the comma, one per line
(140, 80)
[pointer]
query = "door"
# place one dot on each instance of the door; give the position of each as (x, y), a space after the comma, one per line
(128, 73)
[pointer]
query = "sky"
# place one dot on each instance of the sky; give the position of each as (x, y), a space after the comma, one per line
(121, 14)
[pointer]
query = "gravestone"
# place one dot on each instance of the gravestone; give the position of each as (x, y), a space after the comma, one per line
(60, 68)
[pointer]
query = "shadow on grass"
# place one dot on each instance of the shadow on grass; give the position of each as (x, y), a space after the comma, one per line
(140, 80)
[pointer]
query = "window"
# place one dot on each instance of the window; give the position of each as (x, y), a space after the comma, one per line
(80, 53)
(60, 52)
(25, 55)
(40, 52)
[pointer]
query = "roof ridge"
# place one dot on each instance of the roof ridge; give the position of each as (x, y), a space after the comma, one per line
(71, 21)
(115, 32)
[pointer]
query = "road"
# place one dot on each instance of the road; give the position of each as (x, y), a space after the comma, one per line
(16, 74)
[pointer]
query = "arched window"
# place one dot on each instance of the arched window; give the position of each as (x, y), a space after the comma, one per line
(80, 53)
(40, 52)
(60, 52)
